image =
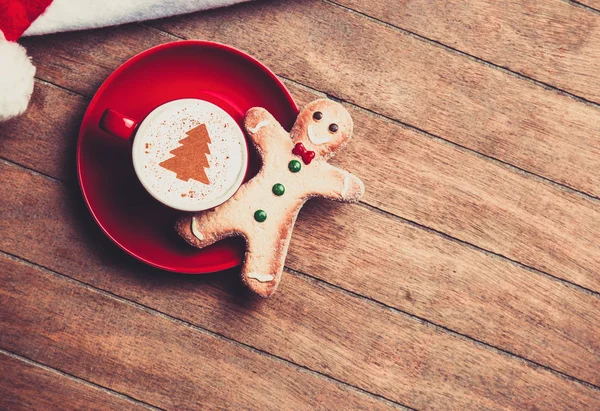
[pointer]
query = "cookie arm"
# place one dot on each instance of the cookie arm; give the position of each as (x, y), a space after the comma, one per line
(336, 184)
(205, 228)
(262, 127)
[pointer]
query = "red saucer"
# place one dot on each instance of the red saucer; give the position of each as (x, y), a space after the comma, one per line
(122, 208)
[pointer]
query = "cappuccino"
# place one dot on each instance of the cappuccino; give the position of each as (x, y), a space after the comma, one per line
(190, 155)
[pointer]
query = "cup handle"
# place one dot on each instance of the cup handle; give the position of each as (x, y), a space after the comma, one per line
(118, 124)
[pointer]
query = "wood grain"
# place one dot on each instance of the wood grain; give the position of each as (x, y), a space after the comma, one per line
(423, 273)
(147, 356)
(24, 386)
(82, 65)
(307, 322)
(553, 41)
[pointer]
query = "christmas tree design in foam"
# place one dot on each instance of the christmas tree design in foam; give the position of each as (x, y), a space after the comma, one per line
(190, 160)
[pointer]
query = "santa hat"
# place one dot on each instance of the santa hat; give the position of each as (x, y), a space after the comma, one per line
(33, 17)
(16, 70)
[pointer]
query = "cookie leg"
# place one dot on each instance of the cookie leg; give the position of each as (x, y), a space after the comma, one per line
(203, 229)
(263, 264)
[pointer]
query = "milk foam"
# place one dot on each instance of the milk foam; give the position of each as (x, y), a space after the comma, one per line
(161, 132)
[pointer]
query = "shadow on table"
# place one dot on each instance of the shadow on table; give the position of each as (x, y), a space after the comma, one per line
(112, 269)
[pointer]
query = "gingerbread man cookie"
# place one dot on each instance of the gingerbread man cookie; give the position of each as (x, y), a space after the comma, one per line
(294, 169)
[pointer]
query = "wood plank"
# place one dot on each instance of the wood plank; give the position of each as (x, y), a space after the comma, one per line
(307, 322)
(441, 280)
(82, 66)
(147, 356)
(552, 41)
(24, 386)
(45, 137)
(504, 211)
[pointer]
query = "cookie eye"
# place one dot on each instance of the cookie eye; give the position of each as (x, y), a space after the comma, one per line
(333, 127)
(318, 115)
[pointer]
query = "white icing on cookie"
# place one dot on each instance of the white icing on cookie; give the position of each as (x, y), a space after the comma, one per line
(263, 278)
(260, 125)
(316, 139)
(196, 233)
(346, 186)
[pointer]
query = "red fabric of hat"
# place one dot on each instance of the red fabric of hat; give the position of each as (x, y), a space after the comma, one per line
(17, 15)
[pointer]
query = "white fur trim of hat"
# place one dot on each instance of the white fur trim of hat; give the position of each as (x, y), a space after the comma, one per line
(16, 78)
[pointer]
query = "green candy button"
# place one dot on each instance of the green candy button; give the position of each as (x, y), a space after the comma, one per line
(260, 215)
(294, 166)
(278, 189)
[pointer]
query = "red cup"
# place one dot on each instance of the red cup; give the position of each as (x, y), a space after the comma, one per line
(118, 124)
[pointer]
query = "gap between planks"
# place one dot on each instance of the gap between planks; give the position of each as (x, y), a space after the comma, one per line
(74, 378)
(370, 300)
(583, 6)
(427, 323)
(436, 43)
(196, 328)
(478, 248)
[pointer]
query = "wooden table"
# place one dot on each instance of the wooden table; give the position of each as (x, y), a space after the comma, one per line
(468, 278)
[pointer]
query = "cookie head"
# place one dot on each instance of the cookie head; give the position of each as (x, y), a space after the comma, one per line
(323, 126)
